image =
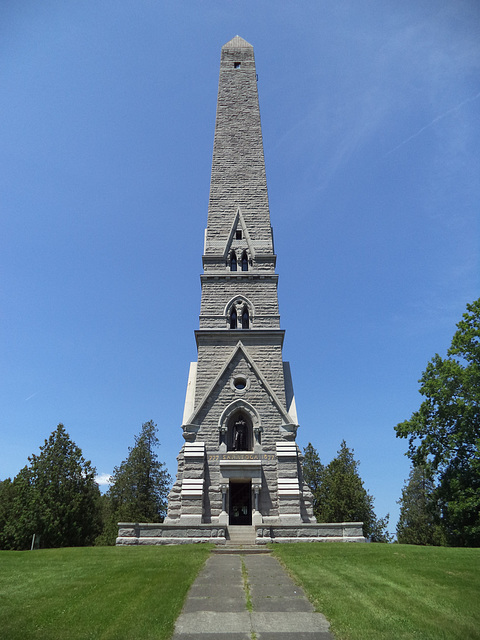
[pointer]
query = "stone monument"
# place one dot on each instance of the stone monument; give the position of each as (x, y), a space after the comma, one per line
(240, 464)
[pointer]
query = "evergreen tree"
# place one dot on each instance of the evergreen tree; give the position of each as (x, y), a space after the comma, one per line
(140, 485)
(7, 494)
(343, 498)
(444, 434)
(54, 497)
(313, 474)
(419, 518)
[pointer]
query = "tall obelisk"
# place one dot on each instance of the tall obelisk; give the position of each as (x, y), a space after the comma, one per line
(240, 464)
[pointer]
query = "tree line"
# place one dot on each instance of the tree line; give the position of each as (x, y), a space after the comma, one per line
(440, 502)
(339, 494)
(56, 499)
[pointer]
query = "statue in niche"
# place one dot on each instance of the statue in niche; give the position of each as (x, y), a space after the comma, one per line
(240, 435)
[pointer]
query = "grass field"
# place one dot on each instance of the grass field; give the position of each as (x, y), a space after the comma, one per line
(390, 592)
(367, 591)
(98, 593)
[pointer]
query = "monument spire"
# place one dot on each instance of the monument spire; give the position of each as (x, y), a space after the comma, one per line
(240, 464)
(238, 179)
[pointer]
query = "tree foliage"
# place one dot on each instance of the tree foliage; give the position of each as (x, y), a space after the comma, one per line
(444, 434)
(313, 474)
(418, 522)
(340, 495)
(55, 497)
(139, 486)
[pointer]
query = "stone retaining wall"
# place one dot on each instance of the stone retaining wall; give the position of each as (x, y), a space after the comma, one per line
(316, 532)
(144, 533)
(152, 533)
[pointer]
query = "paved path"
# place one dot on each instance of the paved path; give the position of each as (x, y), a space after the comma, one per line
(216, 607)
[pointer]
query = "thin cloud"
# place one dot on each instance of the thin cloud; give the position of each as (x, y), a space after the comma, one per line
(435, 120)
(30, 397)
(103, 479)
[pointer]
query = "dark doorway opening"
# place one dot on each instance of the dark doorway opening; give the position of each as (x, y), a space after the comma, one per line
(240, 503)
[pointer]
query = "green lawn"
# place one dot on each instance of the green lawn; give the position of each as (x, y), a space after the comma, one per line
(367, 591)
(390, 592)
(97, 593)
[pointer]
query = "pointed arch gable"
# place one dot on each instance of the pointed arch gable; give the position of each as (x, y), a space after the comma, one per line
(239, 405)
(238, 221)
(244, 301)
(288, 423)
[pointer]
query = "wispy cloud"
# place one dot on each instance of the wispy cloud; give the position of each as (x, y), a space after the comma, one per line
(434, 121)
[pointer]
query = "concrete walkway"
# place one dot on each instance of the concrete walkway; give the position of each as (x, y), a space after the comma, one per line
(248, 597)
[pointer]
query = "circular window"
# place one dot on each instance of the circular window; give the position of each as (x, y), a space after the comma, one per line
(239, 383)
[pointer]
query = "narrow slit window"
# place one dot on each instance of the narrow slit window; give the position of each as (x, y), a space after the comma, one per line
(238, 234)
(244, 261)
(236, 65)
(245, 318)
(233, 319)
(233, 261)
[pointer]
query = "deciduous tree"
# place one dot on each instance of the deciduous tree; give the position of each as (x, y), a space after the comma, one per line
(444, 434)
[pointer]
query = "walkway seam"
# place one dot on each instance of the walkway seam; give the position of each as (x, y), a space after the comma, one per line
(277, 606)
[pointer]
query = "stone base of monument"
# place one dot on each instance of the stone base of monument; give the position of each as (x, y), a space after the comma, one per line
(158, 534)
(311, 532)
(148, 533)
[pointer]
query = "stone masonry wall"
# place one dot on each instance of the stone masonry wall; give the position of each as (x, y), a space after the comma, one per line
(212, 358)
(238, 167)
(261, 294)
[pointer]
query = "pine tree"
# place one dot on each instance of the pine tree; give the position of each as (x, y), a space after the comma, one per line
(55, 497)
(313, 474)
(419, 518)
(343, 498)
(140, 484)
(7, 496)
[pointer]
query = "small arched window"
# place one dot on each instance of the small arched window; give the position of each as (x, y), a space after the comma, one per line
(233, 318)
(245, 318)
(244, 261)
(233, 261)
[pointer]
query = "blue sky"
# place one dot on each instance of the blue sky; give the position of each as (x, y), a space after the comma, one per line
(370, 117)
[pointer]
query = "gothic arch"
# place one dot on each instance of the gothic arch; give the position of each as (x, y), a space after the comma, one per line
(239, 425)
(233, 261)
(245, 317)
(235, 311)
(244, 261)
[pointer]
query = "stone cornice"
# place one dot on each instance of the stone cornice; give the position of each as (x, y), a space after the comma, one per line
(258, 336)
(236, 275)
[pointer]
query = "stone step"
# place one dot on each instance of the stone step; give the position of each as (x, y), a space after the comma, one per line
(241, 550)
(246, 531)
